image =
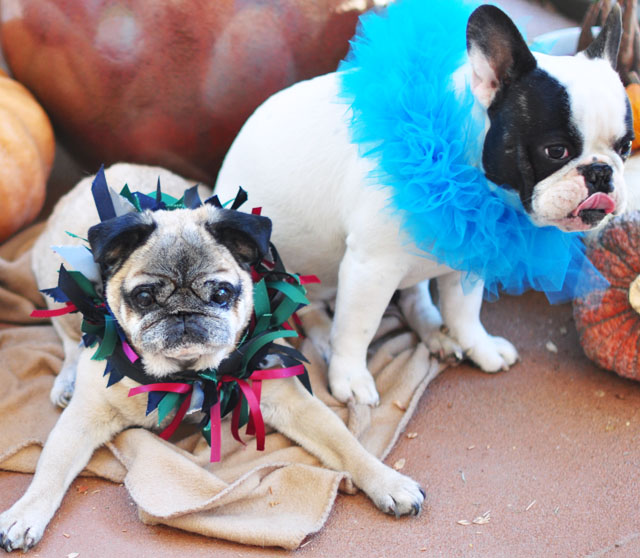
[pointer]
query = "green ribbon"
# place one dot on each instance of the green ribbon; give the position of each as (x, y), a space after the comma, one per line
(109, 340)
(169, 402)
(256, 344)
(294, 292)
(126, 193)
(84, 283)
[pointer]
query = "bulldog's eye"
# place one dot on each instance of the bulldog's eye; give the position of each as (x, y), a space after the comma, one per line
(556, 152)
(223, 294)
(143, 297)
(624, 149)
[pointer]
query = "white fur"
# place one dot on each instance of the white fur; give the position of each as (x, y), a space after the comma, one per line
(295, 159)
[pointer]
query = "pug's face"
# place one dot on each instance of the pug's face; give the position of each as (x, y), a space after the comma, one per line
(178, 282)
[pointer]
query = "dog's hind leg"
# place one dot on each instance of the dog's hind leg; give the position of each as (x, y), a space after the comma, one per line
(424, 318)
(460, 307)
(294, 412)
(65, 381)
(68, 328)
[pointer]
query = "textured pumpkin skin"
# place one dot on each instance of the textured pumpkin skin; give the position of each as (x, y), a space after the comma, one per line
(27, 147)
(608, 327)
(167, 83)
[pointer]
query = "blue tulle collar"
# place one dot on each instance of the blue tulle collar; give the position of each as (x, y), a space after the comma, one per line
(398, 79)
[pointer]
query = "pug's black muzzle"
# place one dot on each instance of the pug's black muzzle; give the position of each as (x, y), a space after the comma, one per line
(185, 328)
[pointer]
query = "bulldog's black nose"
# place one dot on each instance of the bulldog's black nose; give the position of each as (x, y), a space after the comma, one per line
(597, 177)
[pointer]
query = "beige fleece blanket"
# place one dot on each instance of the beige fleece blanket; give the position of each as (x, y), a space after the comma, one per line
(272, 498)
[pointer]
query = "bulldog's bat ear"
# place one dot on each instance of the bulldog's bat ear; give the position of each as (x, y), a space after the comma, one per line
(607, 43)
(112, 241)
(497, 53)
(244, 234)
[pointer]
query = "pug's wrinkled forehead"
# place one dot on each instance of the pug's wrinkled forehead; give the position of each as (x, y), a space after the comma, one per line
(190, 238)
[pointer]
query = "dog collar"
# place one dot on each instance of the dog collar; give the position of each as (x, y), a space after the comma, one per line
(235, 385)
(424, 140)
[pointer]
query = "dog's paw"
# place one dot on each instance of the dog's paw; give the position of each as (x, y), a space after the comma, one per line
(493, 354)
(442, 345)
(19, 532)
(349, 380)
(396, 494)
(63, 387)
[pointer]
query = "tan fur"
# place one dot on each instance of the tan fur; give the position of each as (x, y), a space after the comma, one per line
(95, 413)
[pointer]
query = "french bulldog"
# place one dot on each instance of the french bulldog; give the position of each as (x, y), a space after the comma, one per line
(558, 130)
(179, 284)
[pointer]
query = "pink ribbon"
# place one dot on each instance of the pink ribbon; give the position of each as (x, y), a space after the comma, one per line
(251, 392)
(174, 388)
(131, 354)
(70, 307)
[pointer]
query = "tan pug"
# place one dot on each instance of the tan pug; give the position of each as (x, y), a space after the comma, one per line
(178, 283)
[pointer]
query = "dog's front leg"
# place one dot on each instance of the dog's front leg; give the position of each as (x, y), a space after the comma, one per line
(294, 412)
(366, 284)
(79, 431)
(460, 307)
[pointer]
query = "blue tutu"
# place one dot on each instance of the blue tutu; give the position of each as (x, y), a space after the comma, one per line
(428, 148)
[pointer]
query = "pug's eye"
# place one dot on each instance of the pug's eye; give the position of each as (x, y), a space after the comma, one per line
(223, 294)
(143, 297)
(556, 152)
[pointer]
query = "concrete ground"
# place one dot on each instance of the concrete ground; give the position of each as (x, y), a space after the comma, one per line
(547, 452)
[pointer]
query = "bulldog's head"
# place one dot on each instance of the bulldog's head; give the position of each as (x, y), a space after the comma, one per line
(560, 126)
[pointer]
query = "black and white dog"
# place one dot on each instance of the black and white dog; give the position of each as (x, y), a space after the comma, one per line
(558, 132)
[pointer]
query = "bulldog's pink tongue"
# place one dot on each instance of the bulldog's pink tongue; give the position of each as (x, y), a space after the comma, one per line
(596, 201)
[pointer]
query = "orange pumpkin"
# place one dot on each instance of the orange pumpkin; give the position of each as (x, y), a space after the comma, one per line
(633, 92)
(27, 147)
(608, 320)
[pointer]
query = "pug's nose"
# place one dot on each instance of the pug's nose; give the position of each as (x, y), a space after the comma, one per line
(597, 177)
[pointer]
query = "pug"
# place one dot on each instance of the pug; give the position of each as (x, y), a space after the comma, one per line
(179, 284)
(558, 130)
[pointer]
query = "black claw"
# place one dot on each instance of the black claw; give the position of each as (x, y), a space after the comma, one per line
(424, 494)
(5, 542)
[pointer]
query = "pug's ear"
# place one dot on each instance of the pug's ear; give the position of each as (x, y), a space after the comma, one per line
(245, 235)
(497, 52)
(112, 241)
